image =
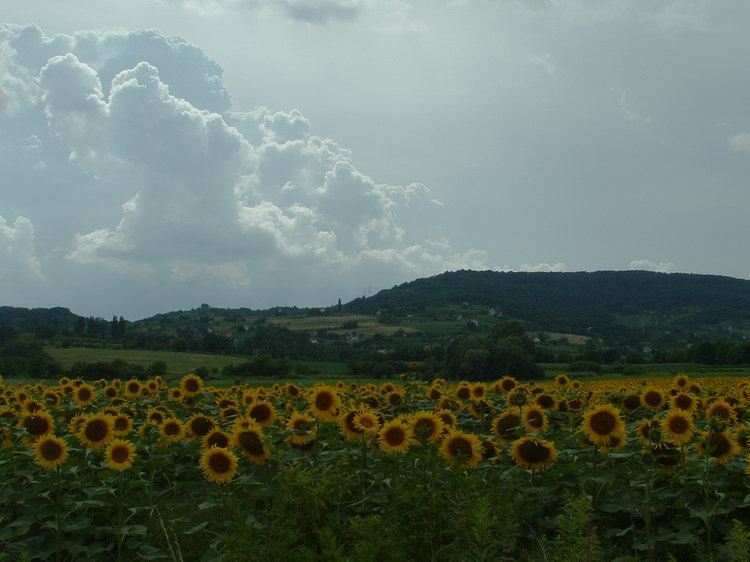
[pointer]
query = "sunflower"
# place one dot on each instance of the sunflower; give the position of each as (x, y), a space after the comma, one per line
(395, 398)
(681, 380)
(489, 449)
(427, 426)
(463, 392)
(229, 413)
(6, 437)
(200, 426)
(684, 401)
(122, 424)
(507, 383)
(507, 426)
(324, 402)
(37, 424)
(434, 393)
(530, 453)
(615, 442)
(262, 413)
(562, 380)
(292, 391)
(303, 427)
(84, 395)
(601, 423)
(395, 436)
(367, 422)
(534, 420)
(119, 455)
(191, 384)
(155, 416)
(218, 464)
(172, 430)
(631, 402)
(448, 418)
(252, 443)
(478, 391)
(32, 406)
(652, 398)
(647, 430)
(133, 388)
(96, 431)
(50, 452)
(720, 410)
(545, 401)
(111, 392)
(518, 398)
(678, 425)
(175, 394)
(461, 449)
(743, 437)
(718, 445)
(348, 428)
(216, 438)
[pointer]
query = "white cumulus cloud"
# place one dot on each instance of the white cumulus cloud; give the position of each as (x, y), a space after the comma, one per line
(648, 265)
(181, 192)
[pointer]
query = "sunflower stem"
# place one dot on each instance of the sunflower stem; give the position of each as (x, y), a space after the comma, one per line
(706, 476)
(58, 516)
(120, 514)
(593, 492)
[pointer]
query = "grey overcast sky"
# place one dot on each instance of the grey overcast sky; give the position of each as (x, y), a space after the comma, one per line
(157, 154)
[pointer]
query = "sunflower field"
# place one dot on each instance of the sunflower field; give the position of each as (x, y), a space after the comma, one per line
(558, 470)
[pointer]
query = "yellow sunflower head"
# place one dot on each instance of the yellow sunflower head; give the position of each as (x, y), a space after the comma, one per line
(119, 455)
(507, 426)
(191, 384)
(262, 413)
(325, 403)
(367, 422)
(200, 425)
(394, 437)
(721, 446)
(678, 426)
(534, 420)
(37, 424)
(216, 438)
(84, 395)
(348, 427)
(652, 398)
(218, 464)
(133, 388)
(530, 453)
(172, 430)
(461, 449)
(720, 410)
(50, 452)
(122, 424)
(96, 431)
(427, 426)
(601, 423)
(252, 443)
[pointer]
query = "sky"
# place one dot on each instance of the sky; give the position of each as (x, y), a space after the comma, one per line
(160, 154)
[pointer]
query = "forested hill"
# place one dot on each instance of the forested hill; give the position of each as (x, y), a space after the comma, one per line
(26, 319)
(573, 300)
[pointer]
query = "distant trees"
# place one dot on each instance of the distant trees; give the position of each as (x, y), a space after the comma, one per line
(507, 350)
(23, 358)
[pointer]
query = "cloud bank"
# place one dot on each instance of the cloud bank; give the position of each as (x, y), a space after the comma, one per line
(138, 187)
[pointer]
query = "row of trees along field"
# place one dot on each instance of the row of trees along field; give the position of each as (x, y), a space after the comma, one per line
(266, 349)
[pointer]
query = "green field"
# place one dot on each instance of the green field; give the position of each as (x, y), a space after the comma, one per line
(366, 325)
(177, 362)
